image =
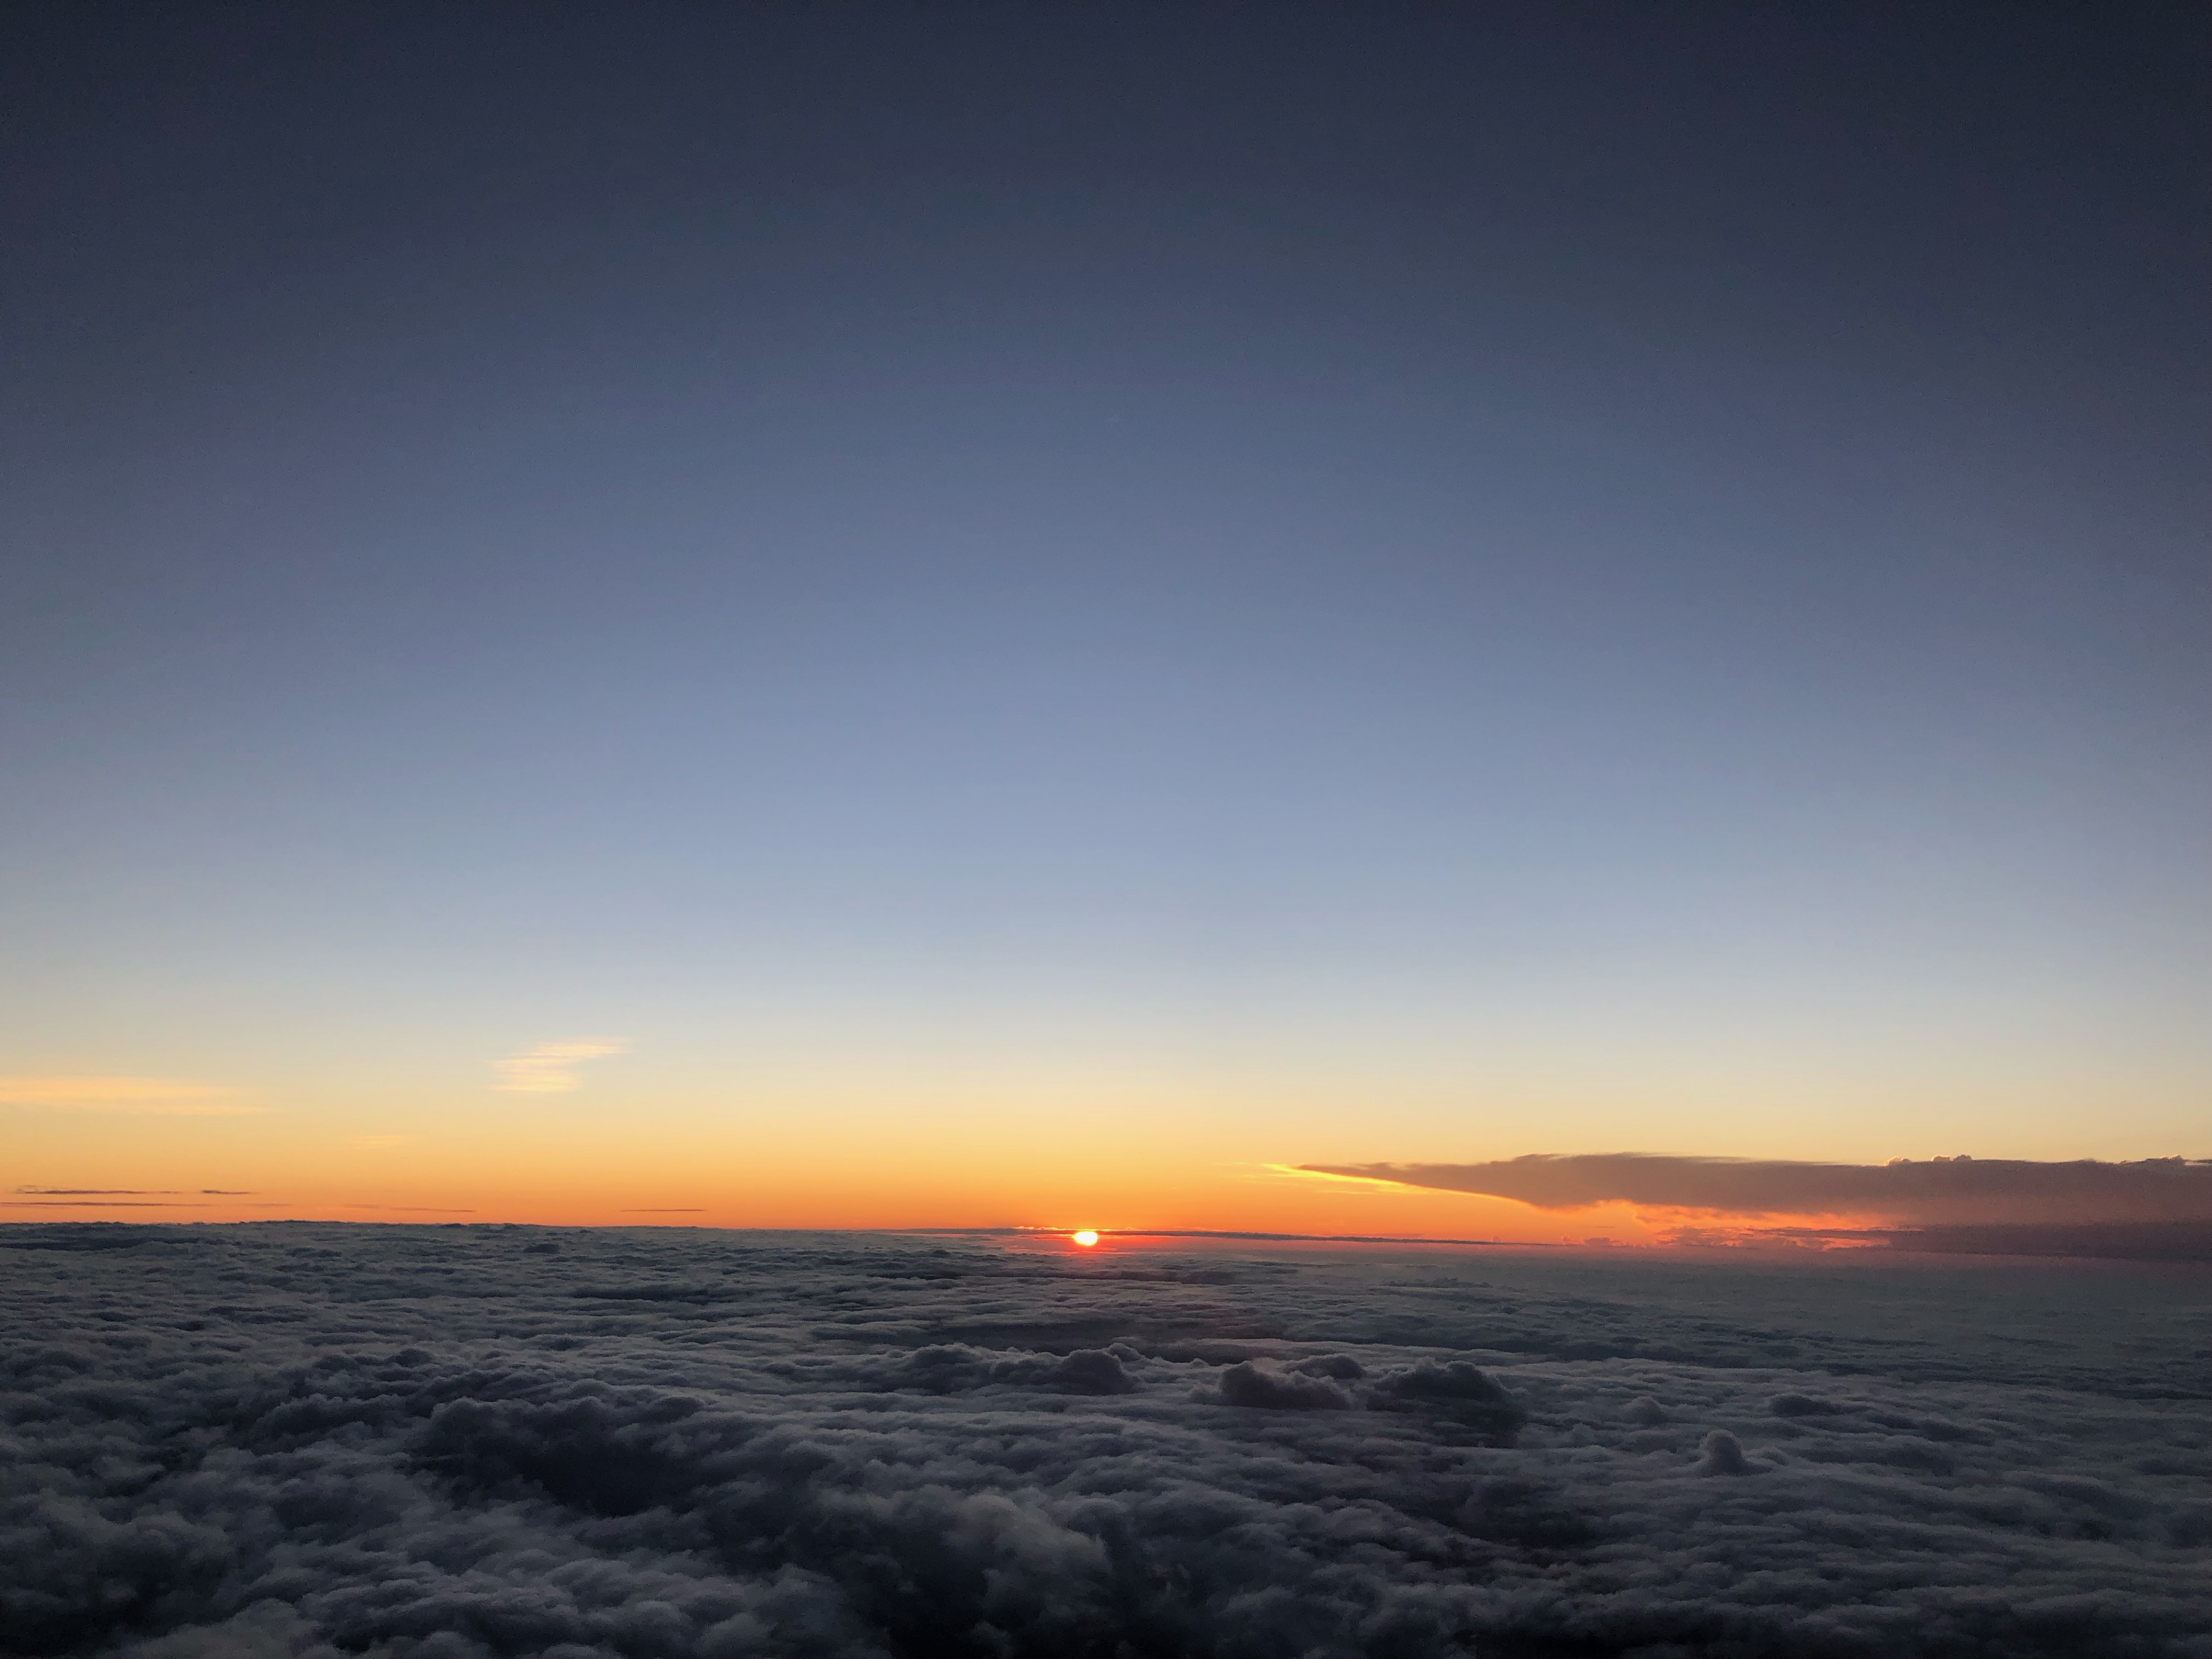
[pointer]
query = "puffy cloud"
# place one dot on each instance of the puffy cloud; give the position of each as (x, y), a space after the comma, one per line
(1459, 1390)
(1723, 1455)
(550, 1068)
(1270, 1387)
(1933, 1191)
(454, 1441)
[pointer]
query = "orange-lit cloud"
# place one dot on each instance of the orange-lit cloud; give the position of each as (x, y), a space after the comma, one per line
(550, 1068)
(165, 1097)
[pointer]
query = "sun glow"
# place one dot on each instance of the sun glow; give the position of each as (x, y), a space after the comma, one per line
(1085, 1238)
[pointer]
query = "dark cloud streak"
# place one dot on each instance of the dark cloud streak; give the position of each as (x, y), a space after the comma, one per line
(2112, 1241)
(96, 1203)
(135, 1192)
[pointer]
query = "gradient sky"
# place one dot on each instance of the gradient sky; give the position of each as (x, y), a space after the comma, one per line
(1035, 615)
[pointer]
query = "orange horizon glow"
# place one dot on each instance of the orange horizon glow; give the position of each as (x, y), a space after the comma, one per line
(1248, 1207)
(568, 1156)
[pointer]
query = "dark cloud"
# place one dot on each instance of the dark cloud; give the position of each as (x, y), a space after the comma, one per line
(2111, 1240)
(296, 1441)
(1938, 1190)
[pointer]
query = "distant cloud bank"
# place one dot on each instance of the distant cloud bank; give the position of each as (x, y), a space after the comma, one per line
(1941, 1192)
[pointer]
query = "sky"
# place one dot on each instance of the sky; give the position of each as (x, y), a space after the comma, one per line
(857, 615)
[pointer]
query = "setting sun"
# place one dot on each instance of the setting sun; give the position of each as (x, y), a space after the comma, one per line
(1085, 1238)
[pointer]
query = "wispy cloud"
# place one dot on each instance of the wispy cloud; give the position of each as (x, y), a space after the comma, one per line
(98, 1204)
(102, 1192)
(162, 1096)
(550, 1068)
(122, 1198)
(136, 1192)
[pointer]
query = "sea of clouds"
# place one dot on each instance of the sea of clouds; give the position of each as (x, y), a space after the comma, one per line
(447, 1443)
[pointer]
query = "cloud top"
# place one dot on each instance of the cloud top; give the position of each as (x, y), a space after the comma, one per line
(550, 1068)
(1944, 1190)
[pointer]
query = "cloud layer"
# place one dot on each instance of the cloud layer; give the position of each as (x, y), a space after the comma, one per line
(1944, 1190)
(312, 1440)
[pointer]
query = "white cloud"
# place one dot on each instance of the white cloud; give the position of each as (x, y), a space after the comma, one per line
(550, 1068)
(164, 1096)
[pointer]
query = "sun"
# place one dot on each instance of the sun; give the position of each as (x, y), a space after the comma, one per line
(1085, 1238)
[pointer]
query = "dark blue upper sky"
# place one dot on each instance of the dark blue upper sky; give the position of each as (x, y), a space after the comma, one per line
(1623, 556)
